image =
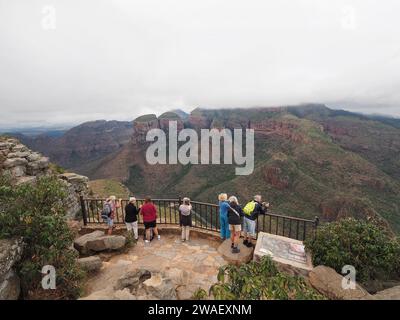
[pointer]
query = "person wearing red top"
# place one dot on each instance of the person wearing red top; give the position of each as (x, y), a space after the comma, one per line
(149, 212)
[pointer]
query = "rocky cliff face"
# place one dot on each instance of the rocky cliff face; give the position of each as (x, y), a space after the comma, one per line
(86, 142)
(10, 253)
(23, 165)
(145, 123)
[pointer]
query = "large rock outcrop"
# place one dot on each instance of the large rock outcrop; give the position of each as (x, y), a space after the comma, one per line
(328, 282)
(10, 253)
(23, 165)
(145, 123)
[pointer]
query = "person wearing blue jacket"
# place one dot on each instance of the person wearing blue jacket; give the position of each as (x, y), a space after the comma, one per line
(223, 216)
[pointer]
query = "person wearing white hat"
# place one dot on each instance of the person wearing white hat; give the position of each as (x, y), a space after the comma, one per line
(185, 213)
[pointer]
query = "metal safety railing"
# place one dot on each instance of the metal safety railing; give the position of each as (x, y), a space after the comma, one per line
(204, 216)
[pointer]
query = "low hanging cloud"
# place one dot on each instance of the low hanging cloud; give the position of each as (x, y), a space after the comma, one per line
(73, 61)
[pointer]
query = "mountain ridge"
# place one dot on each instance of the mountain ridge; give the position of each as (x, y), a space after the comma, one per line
(310, 160)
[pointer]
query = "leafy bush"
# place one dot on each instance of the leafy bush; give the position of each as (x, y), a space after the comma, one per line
(200, 294)
(260, 281)
(56, 168)
(36, 212)
(373, 252)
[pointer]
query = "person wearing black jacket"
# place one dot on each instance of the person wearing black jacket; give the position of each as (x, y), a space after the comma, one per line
(235, 213)
(249, 221)
(131, 213)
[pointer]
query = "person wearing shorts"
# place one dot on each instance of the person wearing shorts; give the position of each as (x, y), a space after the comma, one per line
(249, 229)
(235, 213)
(149, 213)
(249, 221)
(114, 205)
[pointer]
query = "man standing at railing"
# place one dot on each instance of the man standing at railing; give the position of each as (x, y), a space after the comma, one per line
(223, 216)
(251, 212)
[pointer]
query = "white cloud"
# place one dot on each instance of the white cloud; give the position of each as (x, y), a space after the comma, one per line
(119, 59)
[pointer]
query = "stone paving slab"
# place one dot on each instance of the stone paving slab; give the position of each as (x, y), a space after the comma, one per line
(198, 258)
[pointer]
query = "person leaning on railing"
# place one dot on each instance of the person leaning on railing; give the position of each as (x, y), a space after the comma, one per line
(251, 212)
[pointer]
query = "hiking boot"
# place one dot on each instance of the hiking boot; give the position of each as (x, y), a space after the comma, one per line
(235, 250)
(245, 242)
(249, 244)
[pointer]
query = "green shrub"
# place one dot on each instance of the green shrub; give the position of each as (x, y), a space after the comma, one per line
(260, 281)
(56, 168)
(200, 294)
(36, 212)
(373, 252)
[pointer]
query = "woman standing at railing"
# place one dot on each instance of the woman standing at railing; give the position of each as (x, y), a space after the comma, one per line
(149, 212)
(185, 219)
(235, 214)
(223, 216)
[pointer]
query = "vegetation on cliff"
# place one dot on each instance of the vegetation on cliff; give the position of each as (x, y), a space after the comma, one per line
(369, 248)
(36, 213)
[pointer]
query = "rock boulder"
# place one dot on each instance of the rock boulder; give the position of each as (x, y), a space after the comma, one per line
(90, 264)
(81, 242)
(328, 282)
(132, 279)
(244, 256)
(160, 287)
(106, 243)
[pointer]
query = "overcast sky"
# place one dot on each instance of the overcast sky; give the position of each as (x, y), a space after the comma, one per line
(71, 61)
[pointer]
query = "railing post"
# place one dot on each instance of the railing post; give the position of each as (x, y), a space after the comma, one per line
(315, 225)
(83, 208)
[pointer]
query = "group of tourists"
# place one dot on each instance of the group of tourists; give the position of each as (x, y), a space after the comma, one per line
(233, 218)
(148, 211)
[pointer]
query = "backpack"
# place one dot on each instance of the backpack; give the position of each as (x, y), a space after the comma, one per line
(249, 208)
(106, 212)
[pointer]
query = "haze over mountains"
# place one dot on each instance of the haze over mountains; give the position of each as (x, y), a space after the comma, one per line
(309, 160)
